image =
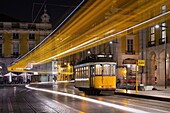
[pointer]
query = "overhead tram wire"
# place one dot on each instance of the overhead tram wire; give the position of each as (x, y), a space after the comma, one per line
(52, 31)
(56, 5)
(37, 13)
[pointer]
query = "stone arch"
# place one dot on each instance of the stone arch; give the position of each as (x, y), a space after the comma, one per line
(162, 62)
(152, 69)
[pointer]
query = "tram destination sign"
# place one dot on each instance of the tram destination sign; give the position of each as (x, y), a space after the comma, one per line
(104, 56)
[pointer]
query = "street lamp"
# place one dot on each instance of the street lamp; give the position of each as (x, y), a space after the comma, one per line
(88, 52)
(165, 47)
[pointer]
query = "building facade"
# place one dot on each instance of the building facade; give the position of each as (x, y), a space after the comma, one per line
(155, 49)
(17, 38)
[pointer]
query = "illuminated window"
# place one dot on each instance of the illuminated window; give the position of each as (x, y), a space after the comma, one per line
(15, 36)
(99, 69)
(106, 69)
(163, 31)
(152, 35)
(113, 70)
(86, 71)
(163, 8)
(77, 73)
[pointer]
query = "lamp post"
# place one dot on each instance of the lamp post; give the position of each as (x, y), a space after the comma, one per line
(165, 48)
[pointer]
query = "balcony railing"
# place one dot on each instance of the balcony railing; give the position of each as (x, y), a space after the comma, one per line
(162, 41)
(15, 55)
(151, 43)
(132, 52)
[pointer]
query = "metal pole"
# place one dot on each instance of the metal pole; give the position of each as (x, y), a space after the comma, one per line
(142, 57)
(165, 63)
(126, 79)
(136, 78)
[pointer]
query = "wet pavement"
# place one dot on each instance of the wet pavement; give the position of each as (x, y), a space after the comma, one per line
(23, 100)
(64, 98)
(162, 93)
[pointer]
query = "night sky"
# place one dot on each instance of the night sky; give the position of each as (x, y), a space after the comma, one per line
(22, 9)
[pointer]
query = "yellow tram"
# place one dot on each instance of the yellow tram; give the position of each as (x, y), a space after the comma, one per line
(95, 75)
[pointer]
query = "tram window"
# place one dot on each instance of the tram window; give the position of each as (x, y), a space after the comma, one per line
(98, 69)
(86, 72)
(106, 70)
(78, 73)
(92, 70)
(82, 72)
(113, 69)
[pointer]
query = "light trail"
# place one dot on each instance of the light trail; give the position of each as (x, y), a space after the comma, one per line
(93, 41)
(72, 49)
(137, 25)
(60, 46)
(133, 110)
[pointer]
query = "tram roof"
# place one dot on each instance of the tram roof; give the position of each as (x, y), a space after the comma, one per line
(97, 58)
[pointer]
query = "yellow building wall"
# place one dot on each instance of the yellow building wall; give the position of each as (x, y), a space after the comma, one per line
(168, 28)
(123, 44)
(37, 39)
(136, 46)
(101, 49)
(147, 36)
(23, 43)
(7, 44)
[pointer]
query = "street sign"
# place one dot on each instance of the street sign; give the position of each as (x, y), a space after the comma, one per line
(141, 63)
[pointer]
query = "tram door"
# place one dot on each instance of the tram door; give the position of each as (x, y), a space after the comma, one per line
(92, 73)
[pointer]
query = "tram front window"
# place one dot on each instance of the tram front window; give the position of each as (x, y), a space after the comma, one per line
(108, 70)
(98, 69)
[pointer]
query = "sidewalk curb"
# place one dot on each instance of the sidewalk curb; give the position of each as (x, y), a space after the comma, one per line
(144, 96)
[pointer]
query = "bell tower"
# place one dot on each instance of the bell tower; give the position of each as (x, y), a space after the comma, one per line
(45, 17)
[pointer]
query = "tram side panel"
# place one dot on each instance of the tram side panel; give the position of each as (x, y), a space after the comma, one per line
(82, 84)
(105, 82)
(87, 79)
